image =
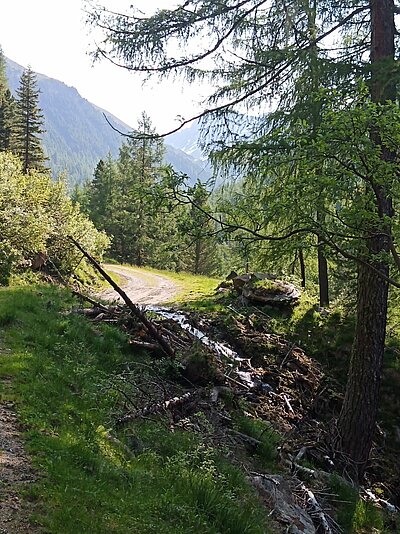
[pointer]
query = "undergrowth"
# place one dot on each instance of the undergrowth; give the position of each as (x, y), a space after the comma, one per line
(170, 483)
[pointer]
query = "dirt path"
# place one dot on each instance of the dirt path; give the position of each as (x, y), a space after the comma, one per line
(142, 287)
(15, 473)
(15, 470)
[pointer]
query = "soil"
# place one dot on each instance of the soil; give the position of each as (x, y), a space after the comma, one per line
(16, 472)
(141, 288)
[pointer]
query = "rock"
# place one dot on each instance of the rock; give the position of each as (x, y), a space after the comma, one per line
(240, 281)
(265, 288)
(277, 292)
(276, 490)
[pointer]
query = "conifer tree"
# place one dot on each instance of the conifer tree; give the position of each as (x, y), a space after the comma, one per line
(260, 49)
(140, 163)
(7, 116)
(28, 124)
(199, 232)
(3, 76)
(7, 107)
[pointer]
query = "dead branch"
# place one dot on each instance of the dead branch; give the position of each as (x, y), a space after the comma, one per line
(253, 442)
(316, 510)
(135, 309)
(152, 347)
(88, 312)
(94, 303)
(158, 408)
(118, 443)
(287, 355)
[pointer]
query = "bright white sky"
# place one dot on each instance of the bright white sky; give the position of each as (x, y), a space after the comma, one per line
(51, 37)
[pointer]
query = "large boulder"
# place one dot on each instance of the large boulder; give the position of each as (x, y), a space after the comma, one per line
(265, 288)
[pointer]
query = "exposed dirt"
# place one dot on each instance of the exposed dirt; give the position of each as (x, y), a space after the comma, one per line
(141, 287)
(16, 471)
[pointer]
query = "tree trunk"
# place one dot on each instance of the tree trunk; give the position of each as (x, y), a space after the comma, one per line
(302, 268)
(359, 410)
(323, 278)
(197, 255)
(357, 420)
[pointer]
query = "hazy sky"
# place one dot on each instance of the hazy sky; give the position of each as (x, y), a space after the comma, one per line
(51, 36)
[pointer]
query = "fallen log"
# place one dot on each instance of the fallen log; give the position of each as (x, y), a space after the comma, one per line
(316, 510)
(157, 408)
(135, 309)
(89, 312)
(88, 299)
(276, 490)
(249, 440)
(152, 347)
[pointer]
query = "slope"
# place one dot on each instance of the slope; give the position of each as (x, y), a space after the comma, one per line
(77, 135)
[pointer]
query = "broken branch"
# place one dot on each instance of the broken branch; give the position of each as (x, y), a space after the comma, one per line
(135, 309)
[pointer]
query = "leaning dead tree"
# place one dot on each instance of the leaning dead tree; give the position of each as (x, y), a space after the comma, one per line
(134, 308)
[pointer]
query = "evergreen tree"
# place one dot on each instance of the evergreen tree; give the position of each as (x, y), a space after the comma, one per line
(3, 75)
(101, 193)
(140, 166)
(199, 233)
(7, 117)
(7, 107)
(261, 50)
(28, 124)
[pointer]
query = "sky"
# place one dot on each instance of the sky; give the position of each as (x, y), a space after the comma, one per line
(51, 36)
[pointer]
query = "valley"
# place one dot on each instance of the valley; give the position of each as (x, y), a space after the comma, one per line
(243, 373)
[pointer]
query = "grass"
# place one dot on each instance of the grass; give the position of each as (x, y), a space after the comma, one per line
(266, 453)
(62, 367)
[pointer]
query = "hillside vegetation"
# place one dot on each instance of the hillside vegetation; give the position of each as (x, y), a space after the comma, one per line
(77, 135)
(183, 469)
(271, 403)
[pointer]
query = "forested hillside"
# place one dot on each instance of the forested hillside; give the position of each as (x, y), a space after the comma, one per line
(77, 135)
(242, 374)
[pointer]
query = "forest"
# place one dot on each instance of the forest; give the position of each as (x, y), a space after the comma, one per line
(301, 127)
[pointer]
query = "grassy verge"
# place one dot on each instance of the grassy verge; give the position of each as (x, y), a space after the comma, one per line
(62, 367)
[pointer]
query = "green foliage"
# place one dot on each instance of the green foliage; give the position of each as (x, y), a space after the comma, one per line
(3, 75)
(266, 453)
(347, 498)
(130, 199)
(307, 163)
(7, 107)
(325, 335)
(367, 516)
(198, 231)
(62, 366)
(37, 216)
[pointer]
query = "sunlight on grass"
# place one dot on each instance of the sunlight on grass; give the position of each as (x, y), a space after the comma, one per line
(189, 286)
(62, 366)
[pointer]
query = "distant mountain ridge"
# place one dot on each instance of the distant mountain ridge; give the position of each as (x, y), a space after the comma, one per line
(187, 140)
(77, 135)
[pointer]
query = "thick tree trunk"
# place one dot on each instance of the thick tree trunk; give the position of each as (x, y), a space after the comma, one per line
(359, 410)
(357, 420)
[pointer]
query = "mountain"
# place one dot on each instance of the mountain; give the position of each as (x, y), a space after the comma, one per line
(77, 135)
(187, 140)
(183, 162)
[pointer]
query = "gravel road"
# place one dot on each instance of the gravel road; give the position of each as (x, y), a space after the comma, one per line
(141, 287)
